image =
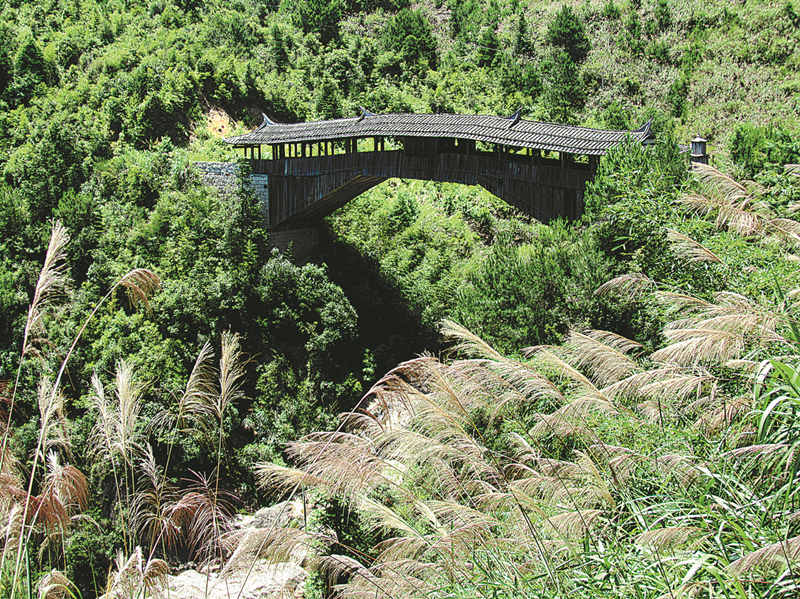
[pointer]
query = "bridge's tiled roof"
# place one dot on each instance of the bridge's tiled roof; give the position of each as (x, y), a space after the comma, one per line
(510, 131)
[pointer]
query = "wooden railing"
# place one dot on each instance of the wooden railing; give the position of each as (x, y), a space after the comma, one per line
(452, 167)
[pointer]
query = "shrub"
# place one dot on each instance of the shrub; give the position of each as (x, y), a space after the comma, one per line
(753, 148)
(89, 552)
(529, 294)
(630, 203)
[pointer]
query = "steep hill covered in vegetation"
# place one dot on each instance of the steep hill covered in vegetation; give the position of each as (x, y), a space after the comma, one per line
(138, 419)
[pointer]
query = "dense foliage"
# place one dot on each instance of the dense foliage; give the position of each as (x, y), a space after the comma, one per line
(105, 105)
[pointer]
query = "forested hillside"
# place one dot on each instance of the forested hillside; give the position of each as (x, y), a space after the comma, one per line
(614, 413)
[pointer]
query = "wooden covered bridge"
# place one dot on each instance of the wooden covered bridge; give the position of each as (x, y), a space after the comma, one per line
(305, 171)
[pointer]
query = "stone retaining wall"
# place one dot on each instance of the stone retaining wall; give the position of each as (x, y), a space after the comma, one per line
(223, 176)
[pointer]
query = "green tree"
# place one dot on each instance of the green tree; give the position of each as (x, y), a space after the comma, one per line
(633, 33)
(663, 14)
(328, 99)
(316, 16)
(566, 31)
(465, 15)
(487, 47)
(6, 68)
(410, 36)
(523, 43)
(29, 67)
(563, 90)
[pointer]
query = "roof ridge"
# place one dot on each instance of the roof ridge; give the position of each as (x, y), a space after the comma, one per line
(512, 131)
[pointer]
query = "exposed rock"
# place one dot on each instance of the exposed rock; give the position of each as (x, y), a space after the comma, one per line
(252, 542)
(279, 515)
(264, 581)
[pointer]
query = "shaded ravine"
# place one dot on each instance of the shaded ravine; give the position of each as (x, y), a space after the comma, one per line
(387, 325)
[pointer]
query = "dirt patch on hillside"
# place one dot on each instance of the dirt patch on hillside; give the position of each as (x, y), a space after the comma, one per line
(218, 122)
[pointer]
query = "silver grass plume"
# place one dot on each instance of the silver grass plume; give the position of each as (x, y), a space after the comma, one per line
(231, 372)
(467, 342)
(684, 468)
(66, 484)
(603, 354)
(204, 515)
(276, 545)
(115, 432)
(667, 538)
(778, 555)
(686, 247)
(663, 382)
(195, 406)
(631, 285)
(548, 358)
(734, 203)
(572, 414)
(52, 279)
(52, 422)
(575, 524)
(150, 508)
(720, 412)
(134, 577)
(715, 332)
(140, 284)
(55, 585)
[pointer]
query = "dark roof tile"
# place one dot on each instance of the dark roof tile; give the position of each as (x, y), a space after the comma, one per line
(492, 129)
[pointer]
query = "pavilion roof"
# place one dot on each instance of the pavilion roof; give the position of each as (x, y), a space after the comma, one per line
(511, 131)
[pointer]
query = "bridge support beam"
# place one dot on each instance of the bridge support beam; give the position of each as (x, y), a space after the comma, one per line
(297, 193)
(303, 191)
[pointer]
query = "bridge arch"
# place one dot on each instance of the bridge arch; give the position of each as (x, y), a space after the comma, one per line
(305, 171)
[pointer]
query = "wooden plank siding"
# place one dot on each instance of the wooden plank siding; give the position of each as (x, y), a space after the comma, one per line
(304, 189)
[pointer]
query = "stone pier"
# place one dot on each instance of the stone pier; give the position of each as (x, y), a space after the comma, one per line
(224, 177)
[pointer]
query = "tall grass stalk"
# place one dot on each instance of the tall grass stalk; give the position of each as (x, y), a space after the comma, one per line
(140, 284)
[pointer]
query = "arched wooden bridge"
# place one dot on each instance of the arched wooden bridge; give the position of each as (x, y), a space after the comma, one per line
(305, 171)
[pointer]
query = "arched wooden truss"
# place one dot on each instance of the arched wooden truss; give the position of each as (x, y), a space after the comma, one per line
(314, 168)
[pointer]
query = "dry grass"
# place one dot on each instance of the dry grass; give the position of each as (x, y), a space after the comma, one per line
(496, 503)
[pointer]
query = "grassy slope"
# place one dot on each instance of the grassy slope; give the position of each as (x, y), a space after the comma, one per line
(744, 60)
